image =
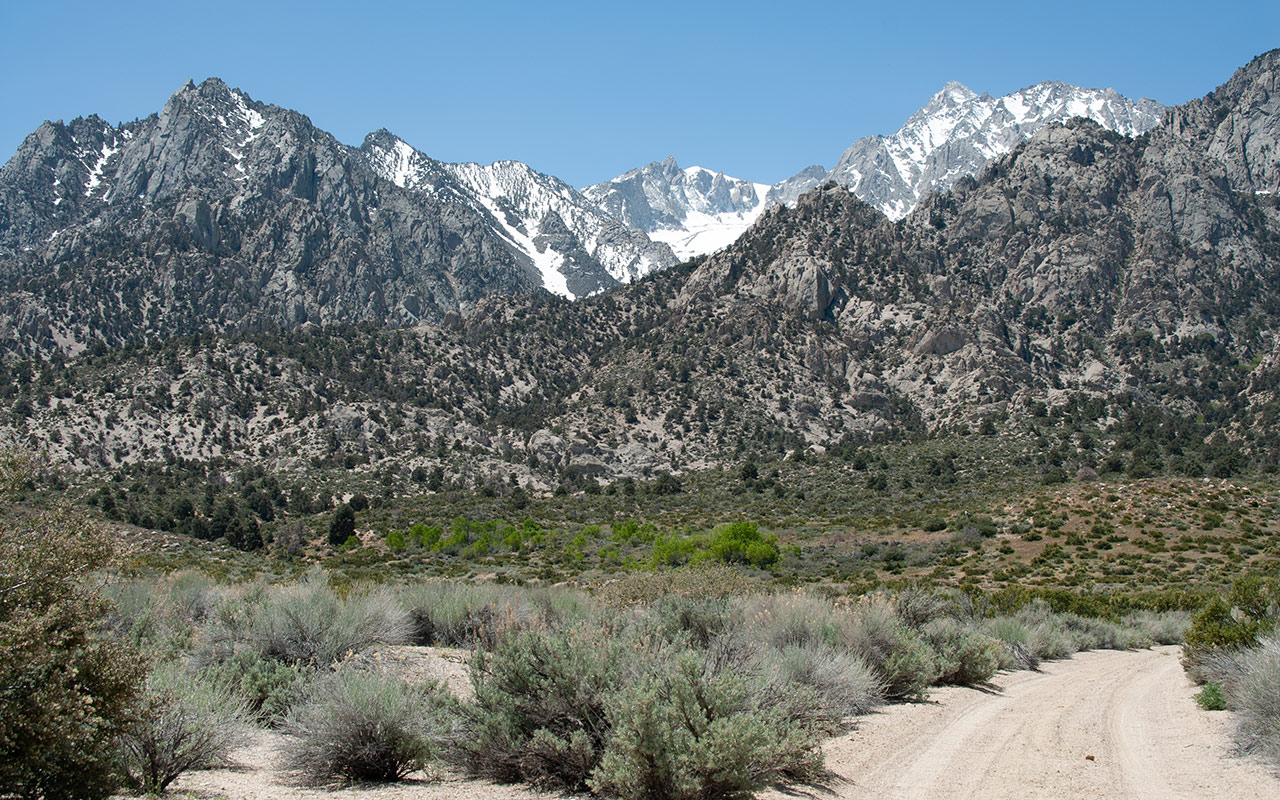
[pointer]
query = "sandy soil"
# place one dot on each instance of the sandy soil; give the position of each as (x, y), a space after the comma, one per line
(1102, 725)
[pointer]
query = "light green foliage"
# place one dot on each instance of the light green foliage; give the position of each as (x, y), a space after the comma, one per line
(184, 722)
(367, 726)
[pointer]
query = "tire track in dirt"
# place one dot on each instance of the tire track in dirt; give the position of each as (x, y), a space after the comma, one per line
(1104, 724)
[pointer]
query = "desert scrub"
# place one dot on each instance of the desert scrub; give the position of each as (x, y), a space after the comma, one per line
(183, 723)
(684, 732)
(965, 656)
(538, 714)
(1250, 681)
(358, 725)
(268, 688)
(905, 664)
(457, 614)
(305, 623)
(839, 684)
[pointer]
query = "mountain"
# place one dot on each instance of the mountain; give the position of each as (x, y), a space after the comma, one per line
(222, 212)
(1125, 288)
(576, 248)
(958, 132)
(955, 134)
(694, 210)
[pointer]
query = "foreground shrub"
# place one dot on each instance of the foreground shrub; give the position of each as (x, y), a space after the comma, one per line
(184, 723)
(965, 657)
(363, 725)
(66, 685)
(683, 733)
(538, 714)
(1254, 694)
(905, 664)
(842, 685)
(1015, 651)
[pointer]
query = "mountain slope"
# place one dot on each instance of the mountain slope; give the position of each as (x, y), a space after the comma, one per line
(694, 210)
(227, 213)
(957, 133)
(1120, 283)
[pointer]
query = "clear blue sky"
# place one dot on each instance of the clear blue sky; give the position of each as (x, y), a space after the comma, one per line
(588, 90)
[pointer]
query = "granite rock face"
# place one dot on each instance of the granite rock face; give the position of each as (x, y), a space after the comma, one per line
(221, 212)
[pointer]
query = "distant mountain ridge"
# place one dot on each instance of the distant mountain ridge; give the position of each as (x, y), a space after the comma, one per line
(957, 133)
(694, 209)
(224, 212)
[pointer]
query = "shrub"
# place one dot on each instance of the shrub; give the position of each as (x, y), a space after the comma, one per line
(66, 686)
(904, 663)
(682, 733)
(306, 623)
(1015, 651)
(468, 615)
(1161, 627)
(965, 657)
(268, 688)
(843, 684)
(538, 714)
(368, 726)
(1210, 697)
(796, 618)
(696, 619)
(742, 542)
(1254, 694)
(183, 723)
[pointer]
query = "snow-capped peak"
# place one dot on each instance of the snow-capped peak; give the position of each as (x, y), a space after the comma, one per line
(695, 210)
(574, 247)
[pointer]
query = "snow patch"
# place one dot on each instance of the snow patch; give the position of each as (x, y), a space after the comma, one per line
(95, 174)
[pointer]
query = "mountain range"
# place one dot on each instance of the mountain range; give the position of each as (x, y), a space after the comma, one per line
(955, 134)
(1084, 273)
(228, 213)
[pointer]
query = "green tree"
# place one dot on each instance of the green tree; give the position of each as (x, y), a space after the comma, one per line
(343, 526)
(66, 686)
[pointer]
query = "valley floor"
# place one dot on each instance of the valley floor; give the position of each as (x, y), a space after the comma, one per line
(1104, 724)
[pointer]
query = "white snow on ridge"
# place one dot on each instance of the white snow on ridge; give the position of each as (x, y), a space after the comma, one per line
(704, 232)
(95, 174)
(546, 260)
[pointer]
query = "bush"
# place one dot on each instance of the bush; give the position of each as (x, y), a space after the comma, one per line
(843, 684)
(367, 726)
(905, 664)
(268, 688)
(1254, 694)
(696, 620)
(184, 723)
(538, 714)
(307, 623)
(1210, 697)
(66, 686)
(683, 733)
(742, 542)
(1015, 650)
(965, 657)
(794, 619)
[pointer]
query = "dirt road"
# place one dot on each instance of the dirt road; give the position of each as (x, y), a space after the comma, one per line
(1104, 724)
